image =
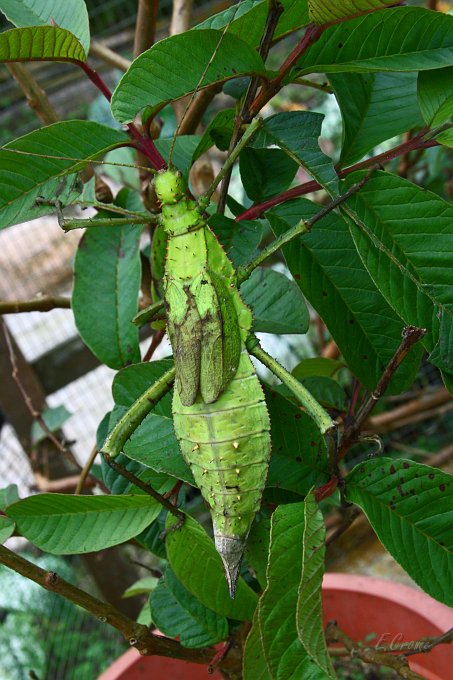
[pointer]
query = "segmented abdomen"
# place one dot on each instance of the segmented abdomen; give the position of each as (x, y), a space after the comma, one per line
(227, 446)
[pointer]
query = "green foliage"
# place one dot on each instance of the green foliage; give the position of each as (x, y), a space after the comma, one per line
(54, 418)
(40, 42)
(322, 12)
(70, 15)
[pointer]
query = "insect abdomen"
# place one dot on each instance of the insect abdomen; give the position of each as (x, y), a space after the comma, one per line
(227, 446)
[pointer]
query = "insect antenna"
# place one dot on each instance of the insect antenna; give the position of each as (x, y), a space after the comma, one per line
(202, 77)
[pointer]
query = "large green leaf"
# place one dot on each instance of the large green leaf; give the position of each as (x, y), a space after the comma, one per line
(374, 107)
(120, 485)
(277, 304)
(399, 39)
(299, 458)
(404, 235)
(254, 662)
(322, 11)
(71, 14)
(297, 133)
(309, 602)
(57, 151)
(257, 547)
(7, 527)
(330, 273)
(160, 74)
(435, 96)
(105, 303)
(240, 239)
(250, 19)
(198, 566)
(265, 172)
(40, 43)
(410, 507)
(176, 612)
(67, 525)
(275, 619)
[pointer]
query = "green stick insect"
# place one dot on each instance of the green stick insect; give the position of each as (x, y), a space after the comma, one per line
(219, 412)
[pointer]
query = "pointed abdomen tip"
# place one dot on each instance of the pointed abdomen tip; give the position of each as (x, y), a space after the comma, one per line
(230, 549)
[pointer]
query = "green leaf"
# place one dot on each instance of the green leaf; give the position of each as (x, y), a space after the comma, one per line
(317, 367)
(299, 459)
(327, 391)
(40, 43)
(68, 525)
(333, 278)
(120, 485)
(7, 527)
(217, 133)
(374, 107)
(130, 383)
(284, 654)
(250, 19)
(8, 495)
(404, 235)
(71, 15)
(277, 304)
(309, 603)
(297, 132)
(160, 74)
(409, 506)
(104, 304)
(240, 239)
(57, 150)
(265, 172)
(54, 418)
(141, 587)
(257, 548)
(254, 661)
(183, 151)
(373, 42)
(198, 566)
(176, 612)
(435, 97)
(322, 11)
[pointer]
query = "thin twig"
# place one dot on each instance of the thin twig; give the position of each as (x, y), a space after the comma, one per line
(383, 422)
(86, 471)
(299, 229)
(274, 12)
(39, 304)
(371, 655)
(109, 56)
(33, 412)
(143, 486)
(136, 634)
(324, 87)
(157, 338)
(411, 335)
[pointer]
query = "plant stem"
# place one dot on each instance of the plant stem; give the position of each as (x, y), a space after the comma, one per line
(145, 27)
(36, 97)
(143, 486)
(70, 225)
(324, 87)
(313, 408)
(137, 412)
(309, 187)
(39, 304)
(299, 229)
(136, 634)
(109, 56)
(86, 471)
(247, 136)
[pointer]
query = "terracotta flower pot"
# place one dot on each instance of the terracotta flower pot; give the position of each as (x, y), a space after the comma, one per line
(361, 605)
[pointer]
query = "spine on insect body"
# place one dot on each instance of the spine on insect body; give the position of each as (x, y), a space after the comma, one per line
(227, 446)
(220, 416)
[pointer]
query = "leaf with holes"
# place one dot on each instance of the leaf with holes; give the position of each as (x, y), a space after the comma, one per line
(409, 506)
(68, 525)
(198, 566)
(70, 15)
(309, 604)
(404, 235)
(322, 11)
(57, 151)
(373, 42)
(374, 107)
(333, 278)
(160, 74)
(176, 612)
